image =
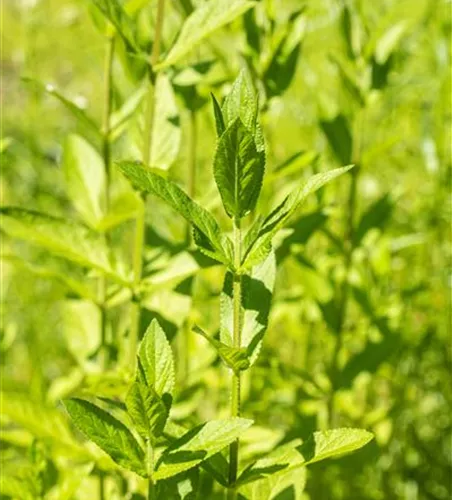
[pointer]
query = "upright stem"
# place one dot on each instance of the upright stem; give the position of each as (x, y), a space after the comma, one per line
(349, 247)
(237, 333)
(183, 337)
(101, 486)
(106, 152)
(150, 468)
(140, 220)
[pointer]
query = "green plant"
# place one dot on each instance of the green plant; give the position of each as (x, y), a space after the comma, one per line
(238, 168)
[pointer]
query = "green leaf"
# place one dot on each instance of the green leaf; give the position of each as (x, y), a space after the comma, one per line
(238, 170)
(258, 239)
(280, 71)
(319, 446)
(338, 133)
(257, 290)
(166, 132)
(111, 435)
(17, 487)
(49, 266)
(376, 215)
(118, 17)
(120, 117)
(219, 246)
(387, 43)
(218, 114)
(242, 102)
(331, 443)
(44, 423)
(84, 173)
(146, 408)
(201, 23)
(197, 445)
(78, 112)
(156, 359)
(68, 239)
(234, 358)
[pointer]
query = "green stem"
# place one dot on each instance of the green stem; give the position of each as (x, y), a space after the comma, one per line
(150, 467)
(237, 333)
(140, 220)
(349, 248)
(106, 153)
(101, 486)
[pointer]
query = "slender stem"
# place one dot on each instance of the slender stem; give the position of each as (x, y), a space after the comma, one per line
(140, 220)
(237, 333)
(106, 152)
(150, 467)
(183, 337)
(101, 486)
(349, 247)
(191, 160)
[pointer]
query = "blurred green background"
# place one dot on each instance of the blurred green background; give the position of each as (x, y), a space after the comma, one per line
(393, 360)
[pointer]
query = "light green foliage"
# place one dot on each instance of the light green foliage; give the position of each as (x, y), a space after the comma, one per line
(118, 17)
(259, 236)
(149, 398)
(201, 23)
(85, 179)
(257, 291)
(166, 133)
(111, 435)
(199, 444)
(321, 305)
(320, 446)
(215, 244)
(65, 238)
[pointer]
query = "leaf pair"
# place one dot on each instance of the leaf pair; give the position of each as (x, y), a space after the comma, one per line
(148, 403)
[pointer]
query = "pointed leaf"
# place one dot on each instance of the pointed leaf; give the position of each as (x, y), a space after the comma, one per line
(66, 238)
(111, 435)
(218, 114)
(257, 290)
(281, 69)
(197, 445)
(234, 358)
(320, 446)
(238, 170)
(201, 23)
(338, 133)
(146, 408)
(258, 239)
(156, 359)
(84, 173)
(145, 180)
(78, 112)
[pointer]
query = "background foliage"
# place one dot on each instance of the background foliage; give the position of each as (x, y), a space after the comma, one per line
(382, 362)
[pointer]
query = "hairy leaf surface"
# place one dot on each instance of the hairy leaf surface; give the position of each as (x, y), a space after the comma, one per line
(111, 435)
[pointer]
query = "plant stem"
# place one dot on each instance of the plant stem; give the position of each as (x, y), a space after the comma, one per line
(150, 469)
(237, 333)
(106, 152)
(183, 337)
(349, 248)
(101, 486)
(140, 220)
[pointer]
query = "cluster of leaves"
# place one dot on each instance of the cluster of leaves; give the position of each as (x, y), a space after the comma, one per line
(349, 294)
